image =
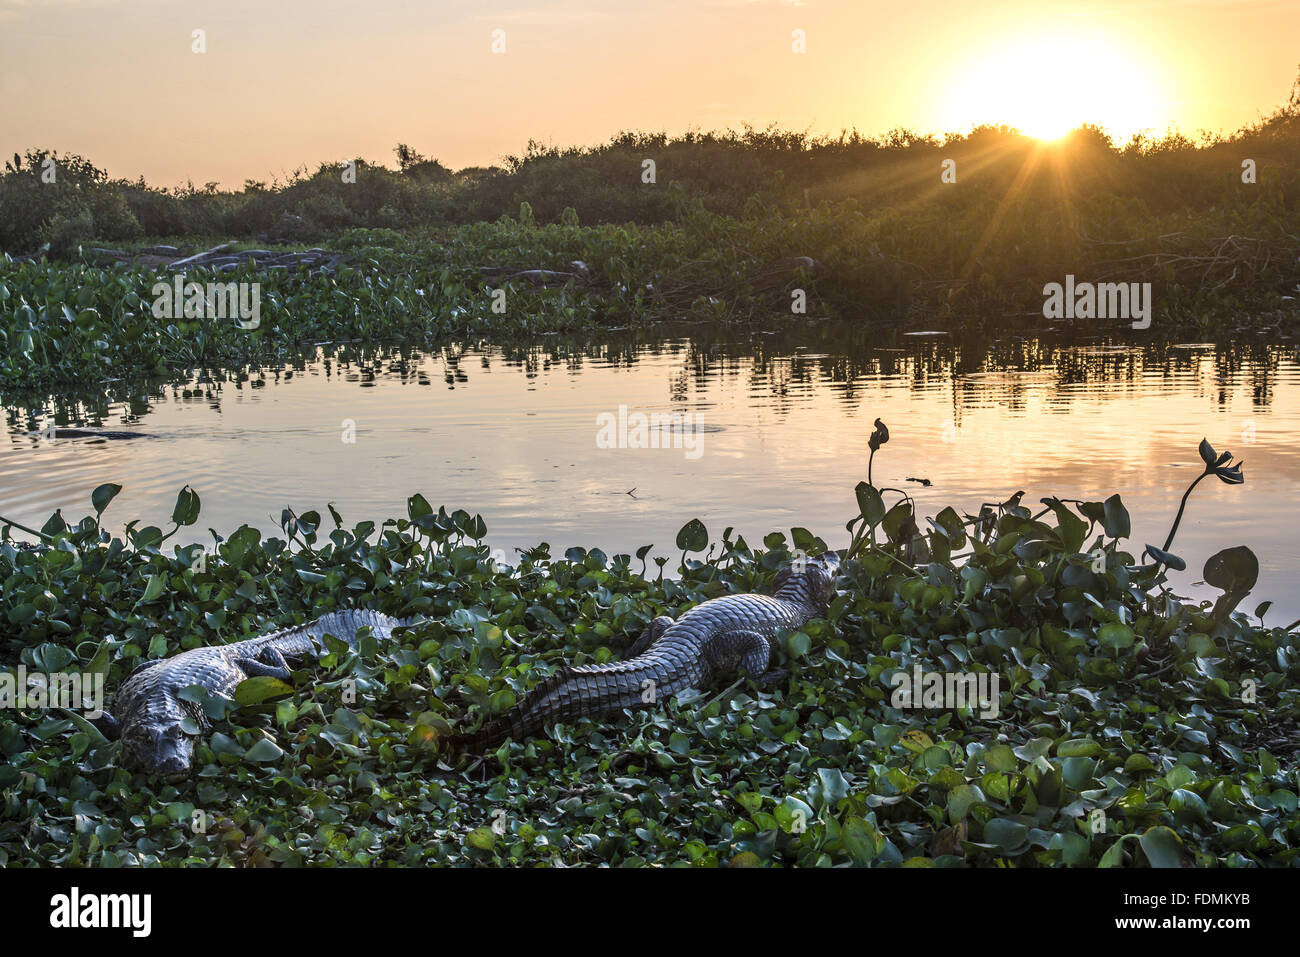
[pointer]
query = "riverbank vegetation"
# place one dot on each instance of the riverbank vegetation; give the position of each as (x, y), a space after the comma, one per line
(734, 226)
(1130, 727)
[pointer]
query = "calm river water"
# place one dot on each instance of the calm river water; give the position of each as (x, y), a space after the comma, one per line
(520, 434)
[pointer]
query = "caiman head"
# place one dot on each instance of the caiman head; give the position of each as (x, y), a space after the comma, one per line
(809, 579)
(156, 742)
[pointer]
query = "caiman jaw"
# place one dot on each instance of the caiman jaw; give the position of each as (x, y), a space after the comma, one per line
(169, 753)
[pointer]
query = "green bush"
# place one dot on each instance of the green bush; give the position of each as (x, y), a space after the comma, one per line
(1167, 178)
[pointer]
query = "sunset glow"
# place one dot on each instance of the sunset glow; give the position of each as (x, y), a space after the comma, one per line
(699, 434)
(1047, 85)
(576, 72)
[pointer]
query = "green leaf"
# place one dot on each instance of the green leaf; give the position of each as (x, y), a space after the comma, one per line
(260, 688)
(1000, 757)
(1072, 528)
(961, 799)
(1232, 569)
(693, 536)
(155, 586)
(1114, 856)
(1079, 748)
(1093, 511)
(54, 524)
(1182, 800)
(102, 495)
(834, 787)
(950, 522)
(1075, 849)
(264, 751)
(896, 519)
(1007, 834)
(1116, 523)
(1162, 847)
(861, 840)
(1235, 571)
(186, 511)
(870, 504)
(1138, 764)
(224, 744)
(1115, 635)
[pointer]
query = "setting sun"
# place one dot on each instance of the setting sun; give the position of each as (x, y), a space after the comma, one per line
(1048, 85)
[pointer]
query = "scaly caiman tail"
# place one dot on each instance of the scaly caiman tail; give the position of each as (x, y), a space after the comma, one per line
(571, 693)
(727, 633)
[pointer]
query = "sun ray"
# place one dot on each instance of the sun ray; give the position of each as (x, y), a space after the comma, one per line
(915, 186)
(986, 236)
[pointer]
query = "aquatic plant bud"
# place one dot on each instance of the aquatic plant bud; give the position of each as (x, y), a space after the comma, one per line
(1231, 475)
(879, 437)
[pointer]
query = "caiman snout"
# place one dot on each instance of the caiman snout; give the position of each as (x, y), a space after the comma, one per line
(827, 568)
(169, 752)
(818, 573)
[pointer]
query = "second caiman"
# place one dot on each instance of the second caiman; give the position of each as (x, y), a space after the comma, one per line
(725, 634)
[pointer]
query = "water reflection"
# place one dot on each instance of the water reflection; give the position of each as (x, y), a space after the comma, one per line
(509, 430)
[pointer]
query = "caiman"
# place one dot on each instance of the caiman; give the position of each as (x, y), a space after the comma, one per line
(148, 712)
(725, 634)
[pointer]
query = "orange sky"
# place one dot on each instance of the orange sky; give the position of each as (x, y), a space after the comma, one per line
(288, 82)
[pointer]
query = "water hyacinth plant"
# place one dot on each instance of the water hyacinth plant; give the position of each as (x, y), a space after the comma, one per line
(1215, 464)
(1095, 756)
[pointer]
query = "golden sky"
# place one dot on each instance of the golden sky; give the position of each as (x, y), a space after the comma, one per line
(285, 83)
